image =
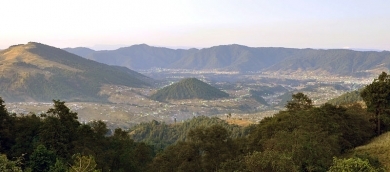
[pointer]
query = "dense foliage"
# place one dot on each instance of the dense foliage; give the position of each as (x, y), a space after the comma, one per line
(352, 164)
(301, 138)
(304, 139)
(190, 88)
(54, 140)
(377, 98)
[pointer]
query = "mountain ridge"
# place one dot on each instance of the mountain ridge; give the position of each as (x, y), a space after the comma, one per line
(39, 72)
(234, 57)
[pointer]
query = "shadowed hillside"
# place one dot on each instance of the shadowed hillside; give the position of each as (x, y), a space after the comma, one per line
(347, 98)
(80, 51)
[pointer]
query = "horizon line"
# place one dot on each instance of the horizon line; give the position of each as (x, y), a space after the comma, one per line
(119, 46)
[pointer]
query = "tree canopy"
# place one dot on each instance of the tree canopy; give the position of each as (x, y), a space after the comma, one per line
(377, 98)
(299, 101)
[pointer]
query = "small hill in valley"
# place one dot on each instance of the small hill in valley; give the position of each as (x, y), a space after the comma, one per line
(190, 88)
(38, 72)
(257, 95)
(347, 98)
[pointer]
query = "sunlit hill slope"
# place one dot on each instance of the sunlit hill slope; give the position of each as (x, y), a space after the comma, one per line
(38, 72)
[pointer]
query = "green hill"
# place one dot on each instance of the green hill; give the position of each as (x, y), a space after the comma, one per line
(347, 98)
(190, 88)
(257, 95)
(38, 72)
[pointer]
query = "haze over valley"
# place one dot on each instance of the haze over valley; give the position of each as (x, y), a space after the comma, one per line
(258, 81)
(203, 86)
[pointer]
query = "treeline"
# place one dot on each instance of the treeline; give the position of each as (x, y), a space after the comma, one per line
(56, 141)
(299, 139)
(302, 138)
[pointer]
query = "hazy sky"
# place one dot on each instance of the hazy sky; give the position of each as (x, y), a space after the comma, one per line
(200, 23)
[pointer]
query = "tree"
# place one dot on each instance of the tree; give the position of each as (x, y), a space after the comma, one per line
(25, 131)
(143, 154)
(59, 166)
(214, 144)
(270, 160)
(3, 110)
(83, 164)
(99, 127)
(351, 165)
(59, 130)
(299, 101)
(62, 112)
(6, 137)
(8, 166)
(41, 159)
(377, 98)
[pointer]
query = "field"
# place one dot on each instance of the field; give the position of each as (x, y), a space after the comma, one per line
(239, 122)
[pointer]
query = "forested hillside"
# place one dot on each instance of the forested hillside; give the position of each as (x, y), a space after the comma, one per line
(347, 98)
(161, 135)
(293, 140)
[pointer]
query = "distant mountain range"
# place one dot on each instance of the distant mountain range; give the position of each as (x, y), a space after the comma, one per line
(38, 72)
(243, 59)
(189, 88)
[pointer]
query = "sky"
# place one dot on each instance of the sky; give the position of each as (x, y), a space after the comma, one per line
(110, 24)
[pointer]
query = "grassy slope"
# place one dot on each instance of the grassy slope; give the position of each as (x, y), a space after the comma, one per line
(239, 122)
(379, 147)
